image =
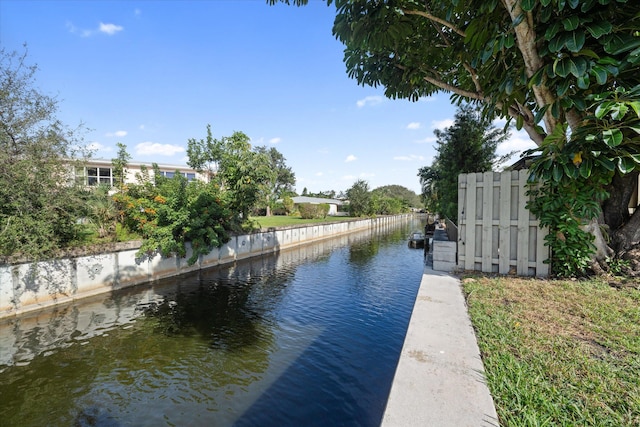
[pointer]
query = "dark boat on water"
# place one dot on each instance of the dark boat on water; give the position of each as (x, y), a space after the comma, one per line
(416, 240)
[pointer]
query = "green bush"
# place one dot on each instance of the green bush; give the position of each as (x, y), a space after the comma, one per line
(312, 211)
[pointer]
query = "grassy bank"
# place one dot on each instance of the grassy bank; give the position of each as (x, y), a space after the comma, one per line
(287, 221)
(559, 353)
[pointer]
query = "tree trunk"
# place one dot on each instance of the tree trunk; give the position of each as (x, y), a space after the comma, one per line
(623, 228)
(616, 208)
(627, 236)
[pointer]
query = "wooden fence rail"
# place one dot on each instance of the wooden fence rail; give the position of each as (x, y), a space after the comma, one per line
(496, 233)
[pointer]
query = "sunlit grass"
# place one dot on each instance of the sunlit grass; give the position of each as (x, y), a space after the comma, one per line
(559, 353)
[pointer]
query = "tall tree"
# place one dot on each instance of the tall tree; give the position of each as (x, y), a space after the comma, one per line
(565, 71)
(359, 198)
(280, 181)
(241, 172)
(469, 145)
(120, 165)
(39, 204)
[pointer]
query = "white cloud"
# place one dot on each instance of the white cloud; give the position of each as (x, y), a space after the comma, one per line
(350, 158)
(409, 158)
(427, 140)
(137, 12)
(413, 125)
(96, 146)
(323, 151)
(275, 140)
(141, 127)
(367, 175)
(370, 100)
(348, 178)
(156, 148)
(441, 124)
(118, 133)
(109, 29)
(319, 173)
(519, 142)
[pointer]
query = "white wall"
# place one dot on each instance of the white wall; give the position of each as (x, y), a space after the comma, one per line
(33, 286)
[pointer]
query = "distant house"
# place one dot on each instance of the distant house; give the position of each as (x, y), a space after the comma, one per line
(334, 204)
(100, 171)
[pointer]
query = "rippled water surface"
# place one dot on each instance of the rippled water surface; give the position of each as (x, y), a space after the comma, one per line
(307, 337)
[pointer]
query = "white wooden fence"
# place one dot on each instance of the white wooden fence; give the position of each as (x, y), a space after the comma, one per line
(496, 233)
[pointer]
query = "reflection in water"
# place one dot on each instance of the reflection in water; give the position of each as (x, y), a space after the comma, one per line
(308, 337)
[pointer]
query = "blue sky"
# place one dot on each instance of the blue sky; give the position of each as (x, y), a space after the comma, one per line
(153, 74)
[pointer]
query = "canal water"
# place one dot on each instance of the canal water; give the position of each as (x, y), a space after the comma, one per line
(307, 337)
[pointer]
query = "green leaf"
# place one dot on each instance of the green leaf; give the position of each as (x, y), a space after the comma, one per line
(636, 129)
(556, 43)
(603, 109)
(618, 111)
(563, 87)
(557, 173)
(636, 107)
(626, 165)
(536, 79)
(612, 137)
(527, 5)
(540, 114)
(606, 163)
(575, 41)
(583, 82)
(509, 41)
(552, 31)
(578, 67)
(616, 44)
(634, 57)
(585, 168)
(578, 102)
(518, 20)
(598, 29)
(571, 23)
(562, 67)
(600, 74)
(545, 3)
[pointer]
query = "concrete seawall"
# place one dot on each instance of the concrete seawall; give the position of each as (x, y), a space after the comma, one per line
(32, 286)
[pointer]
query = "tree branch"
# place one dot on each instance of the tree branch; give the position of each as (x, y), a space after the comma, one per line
(450, 88)
(434, 18)
(526, 40)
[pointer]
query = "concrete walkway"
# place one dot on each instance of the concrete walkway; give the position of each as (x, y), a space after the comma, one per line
(439, 380)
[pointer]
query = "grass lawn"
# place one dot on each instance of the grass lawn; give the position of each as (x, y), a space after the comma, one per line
(286, 221)
(559, 353)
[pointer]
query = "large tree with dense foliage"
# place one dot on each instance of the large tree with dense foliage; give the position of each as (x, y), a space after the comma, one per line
(39, 203)
(565, 71)
(469, 145)
(359, 198)
(241, 172)
(408, 197)
(280, 182)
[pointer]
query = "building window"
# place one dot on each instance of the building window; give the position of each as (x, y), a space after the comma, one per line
(191, 176)
(94, 176)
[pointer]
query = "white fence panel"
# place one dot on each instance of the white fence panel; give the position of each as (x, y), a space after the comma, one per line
(496, 233)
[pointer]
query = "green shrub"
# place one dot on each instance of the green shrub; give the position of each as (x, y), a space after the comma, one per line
(311, 211)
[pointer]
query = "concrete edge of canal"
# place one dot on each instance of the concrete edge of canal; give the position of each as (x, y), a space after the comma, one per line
(439, 380)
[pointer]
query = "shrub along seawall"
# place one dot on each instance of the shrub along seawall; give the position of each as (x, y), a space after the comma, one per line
(32, 286)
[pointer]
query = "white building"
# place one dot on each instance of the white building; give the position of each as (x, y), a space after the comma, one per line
(100, 171)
